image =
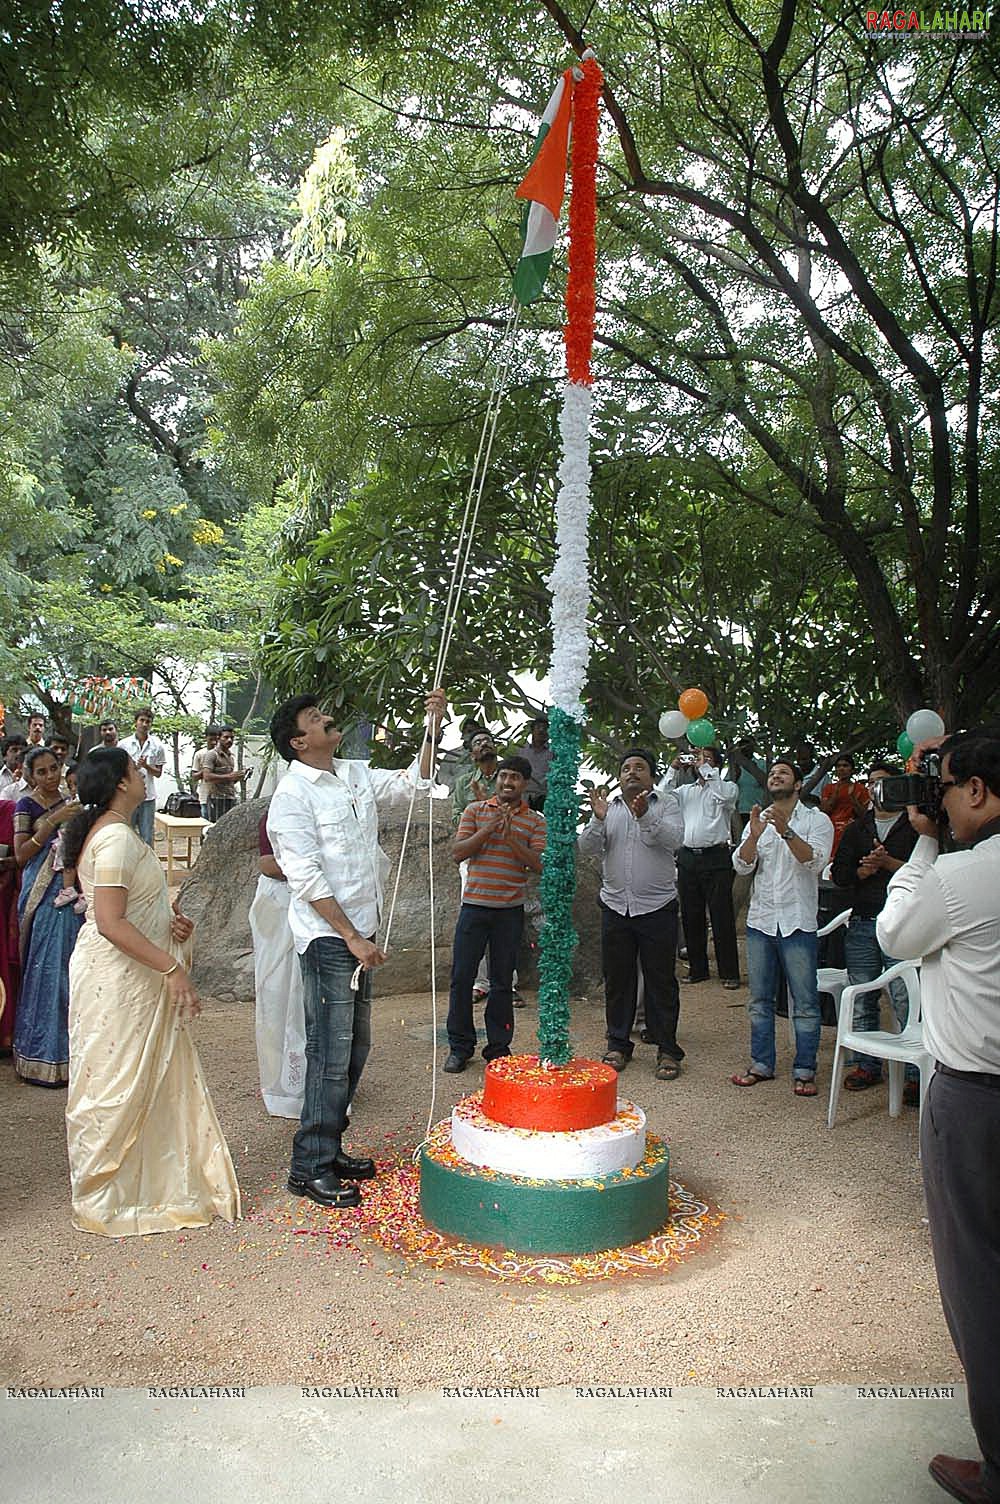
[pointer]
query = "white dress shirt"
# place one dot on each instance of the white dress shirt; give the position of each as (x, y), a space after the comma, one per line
(639, 875)
(946, 908)
(323, 826)
(153, 750)
(9, 783)
(707, 806)
(786, 891)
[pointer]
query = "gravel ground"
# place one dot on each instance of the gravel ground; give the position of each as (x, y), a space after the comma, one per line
(821, 1271)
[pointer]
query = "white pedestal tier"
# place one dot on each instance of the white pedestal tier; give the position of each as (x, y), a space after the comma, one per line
(581, 1155)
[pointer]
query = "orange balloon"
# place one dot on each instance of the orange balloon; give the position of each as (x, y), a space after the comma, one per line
(694, 703)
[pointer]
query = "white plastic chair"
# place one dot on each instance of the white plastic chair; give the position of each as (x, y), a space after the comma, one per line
(831, 979)
(906, 1047)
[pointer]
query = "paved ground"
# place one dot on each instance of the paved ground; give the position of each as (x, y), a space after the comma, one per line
(431, 1448)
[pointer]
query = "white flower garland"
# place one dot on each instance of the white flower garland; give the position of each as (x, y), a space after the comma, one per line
(569, 582)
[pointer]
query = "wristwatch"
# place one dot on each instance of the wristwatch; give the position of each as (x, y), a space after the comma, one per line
(786, 835)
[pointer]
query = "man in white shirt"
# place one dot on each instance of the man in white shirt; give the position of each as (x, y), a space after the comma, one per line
(323, 826)
(946, 909)
(705, 866)
(12, 750)
(788, 844)
(149, 755)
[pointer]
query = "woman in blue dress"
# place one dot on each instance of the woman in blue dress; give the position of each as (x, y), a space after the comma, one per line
(48, 934)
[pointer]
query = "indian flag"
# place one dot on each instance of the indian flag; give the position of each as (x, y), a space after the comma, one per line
(544, 187)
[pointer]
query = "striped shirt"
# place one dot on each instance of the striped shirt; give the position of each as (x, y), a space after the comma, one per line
(497, 878)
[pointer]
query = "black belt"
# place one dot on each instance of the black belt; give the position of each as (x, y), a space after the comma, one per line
(703, 850)
(981, 1078)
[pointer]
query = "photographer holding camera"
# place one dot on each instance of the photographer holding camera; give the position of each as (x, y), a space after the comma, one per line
(945, 907)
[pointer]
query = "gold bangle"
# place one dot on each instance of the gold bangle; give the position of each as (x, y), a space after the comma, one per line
(173, 968)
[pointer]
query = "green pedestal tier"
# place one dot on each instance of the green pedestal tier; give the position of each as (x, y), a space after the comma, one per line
(536, 1216)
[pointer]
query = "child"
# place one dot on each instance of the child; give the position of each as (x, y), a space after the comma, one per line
(70, 889)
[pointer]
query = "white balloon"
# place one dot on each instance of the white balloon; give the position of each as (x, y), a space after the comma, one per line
(673, 724)
(924, 724)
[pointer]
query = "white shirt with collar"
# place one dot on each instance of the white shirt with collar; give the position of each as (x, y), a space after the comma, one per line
(323, 825)
(153, 750)
(707, 806)
(786, 891)
(946, 908)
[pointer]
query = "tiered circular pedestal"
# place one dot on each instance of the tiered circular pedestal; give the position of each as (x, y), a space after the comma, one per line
(548, 1161)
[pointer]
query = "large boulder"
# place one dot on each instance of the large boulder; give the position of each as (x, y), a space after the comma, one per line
(218, 893)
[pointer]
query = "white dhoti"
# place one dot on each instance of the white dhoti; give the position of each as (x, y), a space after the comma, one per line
(280, 1025)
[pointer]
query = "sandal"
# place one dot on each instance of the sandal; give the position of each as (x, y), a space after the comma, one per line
(806, 1088)
(860, 1079)
(667, 1069)
(750, 1079)
(616, 1059)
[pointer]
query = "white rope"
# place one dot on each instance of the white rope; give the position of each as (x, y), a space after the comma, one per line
(434, 1074)
(456, 587)
(459, 571)
(477, 483)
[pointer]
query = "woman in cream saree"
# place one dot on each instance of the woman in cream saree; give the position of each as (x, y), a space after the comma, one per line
(146, 1151)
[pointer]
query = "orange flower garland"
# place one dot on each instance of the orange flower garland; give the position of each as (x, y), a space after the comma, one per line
(580, 295)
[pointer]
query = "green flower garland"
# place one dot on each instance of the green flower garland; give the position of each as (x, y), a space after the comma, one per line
(558, 886)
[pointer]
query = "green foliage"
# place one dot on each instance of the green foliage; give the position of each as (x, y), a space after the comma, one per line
(797, 366)
(110, 112)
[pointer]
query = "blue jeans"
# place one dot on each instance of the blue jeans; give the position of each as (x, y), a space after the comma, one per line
(338, 1039)
(767, 957)
(477, 928)
(865, 959)
(143, 820)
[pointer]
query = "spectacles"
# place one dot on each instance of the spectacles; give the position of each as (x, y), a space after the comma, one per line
(951, 783)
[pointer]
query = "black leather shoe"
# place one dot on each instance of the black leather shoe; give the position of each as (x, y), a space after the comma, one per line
(455, 1063)
(326, 1190)
(960, 1478)
(347, 1168)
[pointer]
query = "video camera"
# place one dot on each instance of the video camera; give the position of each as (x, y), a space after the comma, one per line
(922, 788)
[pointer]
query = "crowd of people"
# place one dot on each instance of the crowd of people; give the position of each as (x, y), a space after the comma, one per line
(43, 900)
(103, 1002)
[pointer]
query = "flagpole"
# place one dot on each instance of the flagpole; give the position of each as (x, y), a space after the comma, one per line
(569, 582)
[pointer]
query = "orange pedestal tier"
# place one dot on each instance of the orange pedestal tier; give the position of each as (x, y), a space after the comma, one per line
(521, 1094)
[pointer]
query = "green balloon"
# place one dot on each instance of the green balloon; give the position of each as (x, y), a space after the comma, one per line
(701, 733)
(904, 746)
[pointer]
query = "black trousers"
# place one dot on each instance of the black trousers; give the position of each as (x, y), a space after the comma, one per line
(626, 940)
(705, 881)
(959, 1152)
